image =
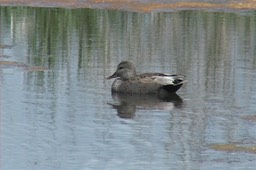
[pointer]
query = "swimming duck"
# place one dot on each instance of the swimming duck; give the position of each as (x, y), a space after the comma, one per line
(127, 81)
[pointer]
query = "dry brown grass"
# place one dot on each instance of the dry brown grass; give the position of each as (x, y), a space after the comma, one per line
(133, 5)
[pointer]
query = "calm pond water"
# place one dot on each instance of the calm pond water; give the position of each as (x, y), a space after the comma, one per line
(56, 107)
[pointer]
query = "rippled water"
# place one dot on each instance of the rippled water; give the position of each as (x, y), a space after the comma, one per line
(56, 107)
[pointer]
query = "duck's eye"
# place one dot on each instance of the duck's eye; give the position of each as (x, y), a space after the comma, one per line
(120, 68)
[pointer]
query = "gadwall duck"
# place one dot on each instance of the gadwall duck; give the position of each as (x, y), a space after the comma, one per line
(148, 83)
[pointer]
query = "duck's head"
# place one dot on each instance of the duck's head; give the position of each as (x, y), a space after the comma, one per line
(124, 71)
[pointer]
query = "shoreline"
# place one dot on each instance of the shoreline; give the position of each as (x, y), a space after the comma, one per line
(139, 6)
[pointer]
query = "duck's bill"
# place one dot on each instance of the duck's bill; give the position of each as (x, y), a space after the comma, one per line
(112, 76)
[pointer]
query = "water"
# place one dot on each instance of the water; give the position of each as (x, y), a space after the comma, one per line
(57, 111)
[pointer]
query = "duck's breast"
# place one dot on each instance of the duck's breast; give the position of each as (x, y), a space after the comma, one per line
(116, 85)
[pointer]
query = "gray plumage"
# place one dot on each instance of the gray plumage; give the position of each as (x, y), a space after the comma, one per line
(127, 81)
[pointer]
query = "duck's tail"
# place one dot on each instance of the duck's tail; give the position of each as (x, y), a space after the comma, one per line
(178, 81)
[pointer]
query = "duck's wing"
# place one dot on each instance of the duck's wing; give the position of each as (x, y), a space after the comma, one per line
(167, 79)
(171, 83)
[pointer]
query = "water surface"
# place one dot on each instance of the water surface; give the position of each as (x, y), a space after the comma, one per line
(57, 111)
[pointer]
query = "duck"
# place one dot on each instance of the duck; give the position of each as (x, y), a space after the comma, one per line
(127, 81)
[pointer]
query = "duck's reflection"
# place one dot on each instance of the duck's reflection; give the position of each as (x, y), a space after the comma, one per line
(128, 103)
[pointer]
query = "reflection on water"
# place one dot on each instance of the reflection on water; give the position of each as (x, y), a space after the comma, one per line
(54, 97)
(127, 103)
